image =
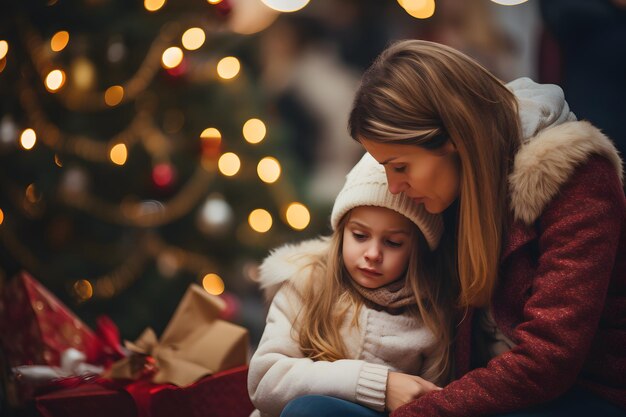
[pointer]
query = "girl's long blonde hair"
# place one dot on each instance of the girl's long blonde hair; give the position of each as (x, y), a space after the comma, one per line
(424, 94)
(328, 297)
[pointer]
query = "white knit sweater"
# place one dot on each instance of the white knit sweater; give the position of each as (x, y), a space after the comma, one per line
(280, 373)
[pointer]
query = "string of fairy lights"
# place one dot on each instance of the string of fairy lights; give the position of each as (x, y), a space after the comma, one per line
(73, 88)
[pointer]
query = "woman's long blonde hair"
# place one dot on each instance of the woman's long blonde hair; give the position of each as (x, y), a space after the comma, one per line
(329, 296)
(424, 94)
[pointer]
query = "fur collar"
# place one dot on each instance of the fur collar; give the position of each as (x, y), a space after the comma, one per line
(290, 262)
(546, 161)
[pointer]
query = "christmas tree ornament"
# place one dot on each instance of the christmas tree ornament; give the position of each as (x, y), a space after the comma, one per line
(215, 217)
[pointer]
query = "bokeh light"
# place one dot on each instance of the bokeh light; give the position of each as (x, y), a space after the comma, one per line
(286, 6)
(254, 130)
(114, 95)
(260, 220)
(153, 5)
(172, 57)
(28, 138)
(268, 169)
(83, 289)
(213, 284)
(1, 216)
(228, 67)
(298, 216)
(55, 80)
(509, 2)
(193, 38)
(119, 154)
(4, 48)
(59, 41)
(420, 9)
(229, 164)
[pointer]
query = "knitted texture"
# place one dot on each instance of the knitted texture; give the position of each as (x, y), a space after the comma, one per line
(366, 185)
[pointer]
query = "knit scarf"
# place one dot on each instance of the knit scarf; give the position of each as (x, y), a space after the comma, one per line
(391, 296)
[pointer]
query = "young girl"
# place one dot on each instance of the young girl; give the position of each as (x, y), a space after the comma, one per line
(537, 203)
(353, 308)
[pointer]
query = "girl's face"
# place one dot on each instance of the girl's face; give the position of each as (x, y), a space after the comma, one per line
(376, 245)
(428, 177)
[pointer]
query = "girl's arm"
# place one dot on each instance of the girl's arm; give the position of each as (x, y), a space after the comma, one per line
(279, 373)
(580, 232)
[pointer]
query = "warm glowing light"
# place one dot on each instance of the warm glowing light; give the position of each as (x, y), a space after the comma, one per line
(58, 161)
(260, 220)
(153, 5)
(298, 216)
(28, 139)
(211, 142)
(228, 67)
(1, 216)
(193, 38)
(83, 289)
(214, 1)
(211, 133)
(32, 194)
(254, 131)
(229, 164)
(4, 48)
(213, 284)
(509, 2)
(119, 154)
(286, 5)
(420, 9)
(268, 169)
(55, 80)
(172, 57)
(114, 95)
(59, 41)
(83, 73)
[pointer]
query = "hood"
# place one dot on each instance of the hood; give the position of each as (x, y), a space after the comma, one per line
(554, 144)
(540, 106)
(291, 262)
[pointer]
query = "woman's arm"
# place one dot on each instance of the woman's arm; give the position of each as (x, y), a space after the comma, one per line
(579, 236)
(279, 372)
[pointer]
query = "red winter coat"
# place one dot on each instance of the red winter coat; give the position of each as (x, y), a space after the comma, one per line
(561, 295)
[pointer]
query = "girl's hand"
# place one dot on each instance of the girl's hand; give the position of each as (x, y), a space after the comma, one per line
(403, 388)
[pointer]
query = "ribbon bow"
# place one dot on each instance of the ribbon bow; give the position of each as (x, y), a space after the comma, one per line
(195, 343)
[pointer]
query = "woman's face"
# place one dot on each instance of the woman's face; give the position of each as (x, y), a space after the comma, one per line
(428, 177)
(376, 245)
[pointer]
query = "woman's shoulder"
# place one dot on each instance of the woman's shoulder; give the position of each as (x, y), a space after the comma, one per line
(293, 263)
(549, 160)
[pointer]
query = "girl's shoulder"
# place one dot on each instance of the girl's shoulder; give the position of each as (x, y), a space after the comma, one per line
(293, 263)
(547, 161)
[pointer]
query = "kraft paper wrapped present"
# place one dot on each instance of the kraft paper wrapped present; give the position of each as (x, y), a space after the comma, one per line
(195, 343)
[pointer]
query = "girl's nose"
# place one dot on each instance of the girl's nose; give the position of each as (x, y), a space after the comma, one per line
(373, 253)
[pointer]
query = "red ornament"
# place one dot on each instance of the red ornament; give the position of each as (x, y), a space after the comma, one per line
(163, 175)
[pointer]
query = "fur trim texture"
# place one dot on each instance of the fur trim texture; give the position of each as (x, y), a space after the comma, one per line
(290, 263)
(545, 162)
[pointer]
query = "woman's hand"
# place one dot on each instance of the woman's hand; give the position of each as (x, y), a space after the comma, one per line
(403, 388)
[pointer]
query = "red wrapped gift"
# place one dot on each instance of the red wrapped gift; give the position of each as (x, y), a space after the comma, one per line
(37, 328)
(224, 394)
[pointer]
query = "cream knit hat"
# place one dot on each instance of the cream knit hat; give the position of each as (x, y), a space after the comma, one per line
(366, 185)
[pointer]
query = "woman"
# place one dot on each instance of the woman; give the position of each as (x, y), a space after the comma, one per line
(536, 218)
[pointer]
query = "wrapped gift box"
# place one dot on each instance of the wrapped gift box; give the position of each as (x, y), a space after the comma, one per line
(37, 328)
(224, 394)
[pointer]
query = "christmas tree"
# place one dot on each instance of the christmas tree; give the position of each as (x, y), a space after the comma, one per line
(138, 155)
